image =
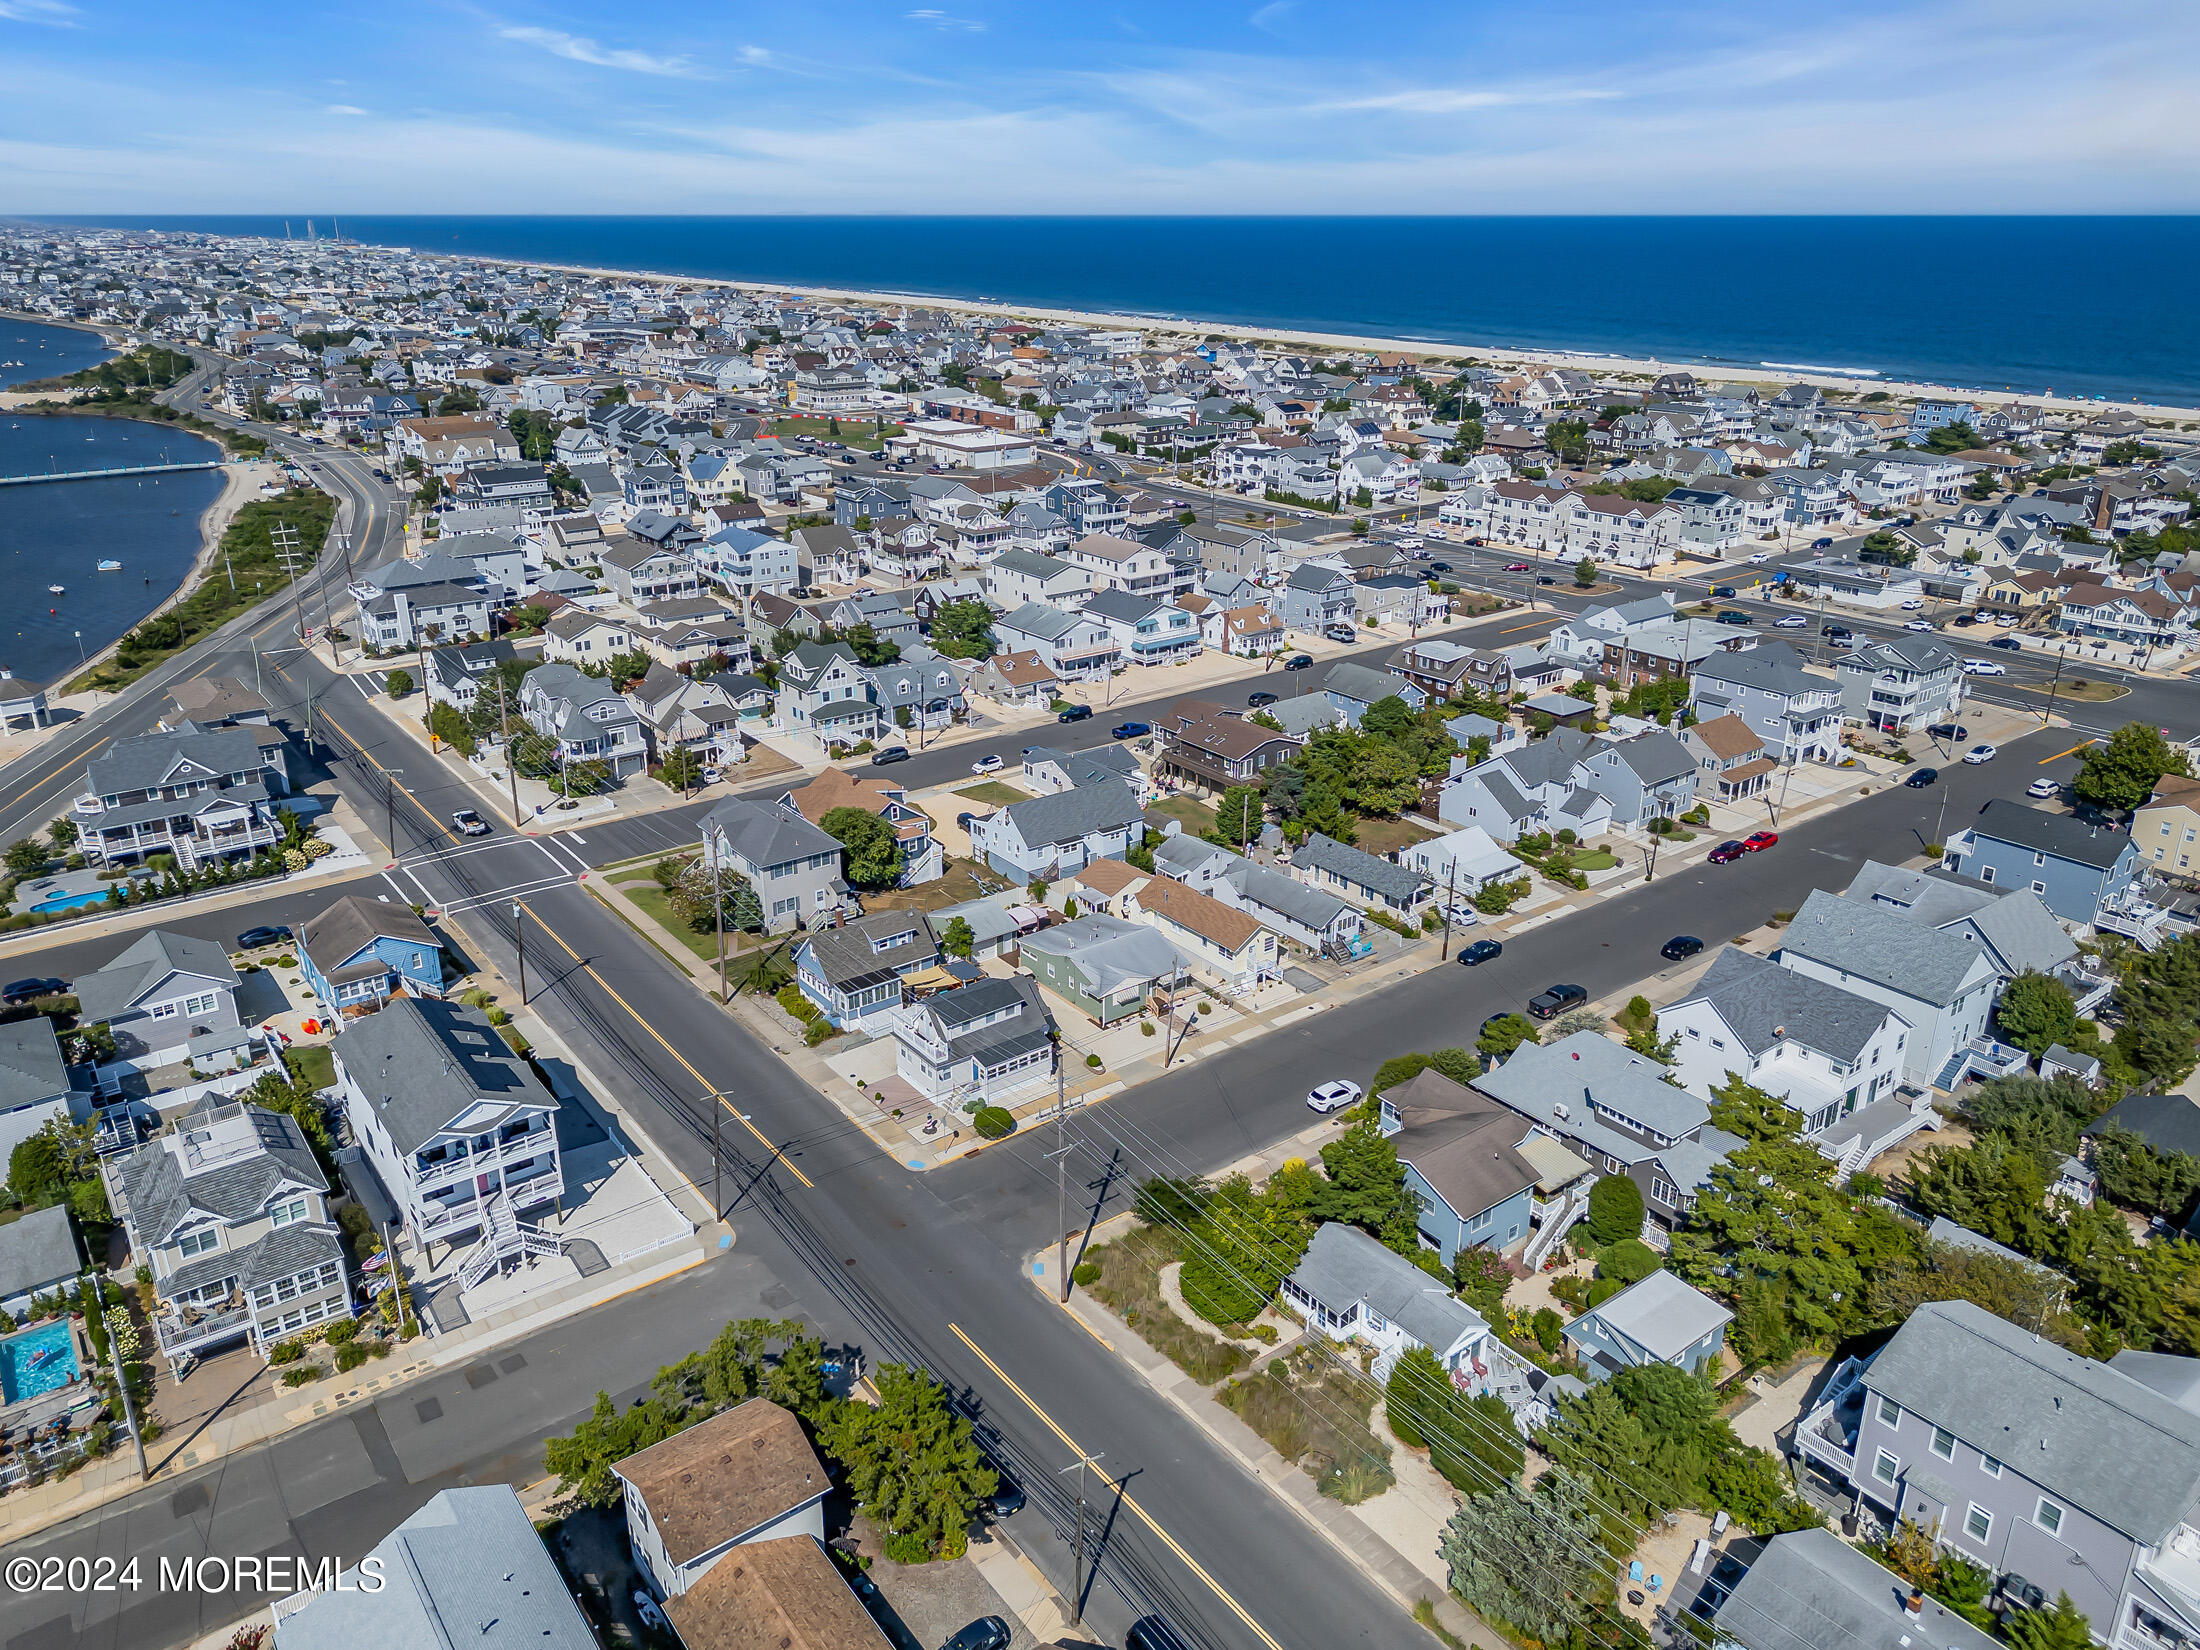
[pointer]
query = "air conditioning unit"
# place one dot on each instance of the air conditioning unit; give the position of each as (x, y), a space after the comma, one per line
(1561, 1113)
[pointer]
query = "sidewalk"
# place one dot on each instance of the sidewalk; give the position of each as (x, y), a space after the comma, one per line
(114, 1477)
(1351, 1531)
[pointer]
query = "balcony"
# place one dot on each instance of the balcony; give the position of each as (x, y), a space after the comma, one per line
(188, 1328)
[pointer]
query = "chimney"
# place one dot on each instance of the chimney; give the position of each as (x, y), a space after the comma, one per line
(1915, 1603)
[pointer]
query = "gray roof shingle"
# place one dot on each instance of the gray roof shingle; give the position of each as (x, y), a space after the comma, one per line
(1765, 1004)
(1344, 1264)
(38, 1251)
(1881, 946)
(421, 1064)
(156, 954)
(1364, 870)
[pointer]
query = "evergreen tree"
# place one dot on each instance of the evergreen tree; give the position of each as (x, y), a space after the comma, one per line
(910, 1463)
(1615, 1210)
(1367, 1188)
(2062, 1628)
(583, 1462)
(1534, 1560)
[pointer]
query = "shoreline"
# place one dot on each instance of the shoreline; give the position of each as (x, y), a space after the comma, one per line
(1195, 331)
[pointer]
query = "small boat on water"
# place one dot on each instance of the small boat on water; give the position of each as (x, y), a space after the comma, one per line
(110, 567)
(57, 589)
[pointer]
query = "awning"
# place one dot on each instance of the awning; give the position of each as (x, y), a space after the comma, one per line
(930, 979)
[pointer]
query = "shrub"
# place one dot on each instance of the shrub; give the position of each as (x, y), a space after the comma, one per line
(1085, 1273)
(994, 1122)
(1145, 1028)
(1629, 1261)
(819, 1030)
(350, 1357)
(790, 998)
(1548, 1328)
(286, 1352)
(302, 1374)
(1092, 1062)
(342, 1332)
(1615, 1210)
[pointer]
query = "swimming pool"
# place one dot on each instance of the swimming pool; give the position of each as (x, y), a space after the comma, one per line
(29, 1364)
(69, 902)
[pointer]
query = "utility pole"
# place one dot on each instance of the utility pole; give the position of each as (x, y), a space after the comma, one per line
(716, 1204)
(1077, 1592)
(718, 917)
(1060, 1154)
(1451, 886)
(284, 537)
(389, 779)
(2054, 685)
(504, 722)
(122, 1381)
(519, 934)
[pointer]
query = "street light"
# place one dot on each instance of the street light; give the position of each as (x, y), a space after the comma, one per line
(519, 935)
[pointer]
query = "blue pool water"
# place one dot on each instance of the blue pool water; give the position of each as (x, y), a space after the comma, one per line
(26, 1370)
(69, 902)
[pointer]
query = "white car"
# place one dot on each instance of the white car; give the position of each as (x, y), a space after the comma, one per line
(1919, 624)
(1409, 544)
(1984, 667)
(986, 764)
(1760, 558)
(2044, 788)
(1793, 621)
(1334, 1096)
(1912, 605)
(1979, 755)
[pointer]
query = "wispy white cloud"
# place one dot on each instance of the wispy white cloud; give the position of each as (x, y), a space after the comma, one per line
(52, 13)
(344, 109)
(581, 49)
(1271, 14)
(1454, 100)
(942, 21)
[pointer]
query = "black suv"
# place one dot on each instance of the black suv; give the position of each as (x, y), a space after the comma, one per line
(1549, 1005)
(1954, 732)
(1075, 713)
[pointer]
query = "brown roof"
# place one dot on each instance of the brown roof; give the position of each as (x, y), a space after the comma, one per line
(724, 1477)
(1022, 668)
(1109, 877)
(1232, 738)
(1728, 736)
(454, 427)
(2174, 790)
(1203, 914)
(783, 1594)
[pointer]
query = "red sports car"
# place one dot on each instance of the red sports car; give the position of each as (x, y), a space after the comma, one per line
(1759, 841)
(1516, 567)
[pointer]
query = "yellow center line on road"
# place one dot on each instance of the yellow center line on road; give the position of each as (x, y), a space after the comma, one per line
(386, 773)
(2072, 751)
(709, 1093)
(1190, 1563)
(1530, 625)
(67, 762)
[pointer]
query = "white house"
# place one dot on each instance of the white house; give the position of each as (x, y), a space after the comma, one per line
(685, 1511)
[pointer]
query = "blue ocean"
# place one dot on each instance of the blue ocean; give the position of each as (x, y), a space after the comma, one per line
(2076, 305)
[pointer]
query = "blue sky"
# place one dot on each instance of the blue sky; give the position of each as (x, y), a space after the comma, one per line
(1034, 106)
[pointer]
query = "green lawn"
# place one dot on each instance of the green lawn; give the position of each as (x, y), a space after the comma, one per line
(1594, 859)
(314, 1063)
(644, 892)
(994, 792)
(959, 884)
(1384, 836)
(855, 431)
(1195, 816)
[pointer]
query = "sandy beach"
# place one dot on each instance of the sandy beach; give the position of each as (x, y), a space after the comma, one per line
(1193, 331)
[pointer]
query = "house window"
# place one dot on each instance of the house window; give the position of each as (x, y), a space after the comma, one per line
(1978, 1523)
(1885, 1466)
(2039, 887)
(285, 1214)
(198, 1243)
(1989, 1466)
(2048, 1516)
(1890, 1413)
(1986, 873)
(165, 1011)
(1944, 1443)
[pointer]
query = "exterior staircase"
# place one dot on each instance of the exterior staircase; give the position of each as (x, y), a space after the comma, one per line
(1555, 1226)
(504, 1236)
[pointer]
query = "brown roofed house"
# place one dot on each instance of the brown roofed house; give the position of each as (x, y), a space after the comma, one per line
(222, 701)
(781, 1594)
(745, 1475)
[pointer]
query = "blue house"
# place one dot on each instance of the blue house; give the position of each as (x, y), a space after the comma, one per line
(1352, 688)
(855, 971)
(1461, 1155)
(1660, 1320)
(2075, 868)
(360, 952)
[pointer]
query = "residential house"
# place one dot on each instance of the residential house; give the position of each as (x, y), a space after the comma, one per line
(2166, 828)
(853, 971)
(1203, 746)
(1316, 595)
(1529, 787)
(1106, 966)
(360, 952)
(215, 702)
(436, 598)
(2137, 618)
(1793, 713)
(1650, 776)
(1941, 983)
(37, 1086)
(202, 794)
(455, 675)
(2011, 925)
(229, 1210)
(1834, 1056)
(792, 865)
(826, 693)
(1901, 684)
(685, 1513)
(1658, 1320)
(458, 1129)
(585, 718)
(1657, 653)
(1319, 920)
(575, 636)
(1148, 630)
(1126, 565)
(1810, 1590)
(1017, 577)
(1353, 687)
(1222, 945)
(2099, 1502)
(749, 563)
(1460, 864)
(700, 717)
(985, 1042)
(2078, 870)
(469, 1556)
(1463, 1165)
(39, 1255)
(1047, 837)
(641, 572)
(1023, 680)
(166, 997)
(1252, 631)
(1375, 884)
(788, 1591)
(922, 858)
(1073, 647)
(1581, 637)
(1446, 670)
(1047, 770)
(919, 690)
(1731, 764)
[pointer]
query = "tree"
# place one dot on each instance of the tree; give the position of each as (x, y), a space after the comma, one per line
(2035, 1011)
(584, 1461)
(911, 1464)
(1242, 1246)
(63, 833)
(1239, 815)
(1481, 1276)
(1367, 1188)
(398, 683)
(1456, 1063)
(1387, 718)
(963, 630)
(1504, 1034)
(873, 856)
(630, 666)
(1585, 572)
(2121, 774)
(1615, 1210)
(690, 895)
(2062, 1628)
(743, 1361)
(681, 769)
(1534, 1560)
(957, 939)
(25, 857)
(2137, 1176)
(1471, 1441)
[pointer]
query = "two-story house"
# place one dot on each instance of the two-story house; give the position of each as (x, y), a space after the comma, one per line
(166, 996)
(748, 563)
(685, 1511)
(1122, 564)
(1017, 577)
(640, 572)
(2078, 870)
(1148, 630)
(1650, 776)
(922, 858)
(1463, 1165)
(2054, 1472)
(1047, 770)
(918, 690)
(460, 1132)
(977, 1045)
(1075, 648)
(586, 718)
(792, 865)
(1316, 595)
(1731, 764)
(1046, 837)
(701, 717)
(2166, 828)
(575, 636)
(1655, 1320)
(1901, 684)
(1795, 713)
(229, 1209)
(202, 794)
(360, 952)
(1202, 745)
(854, 972)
